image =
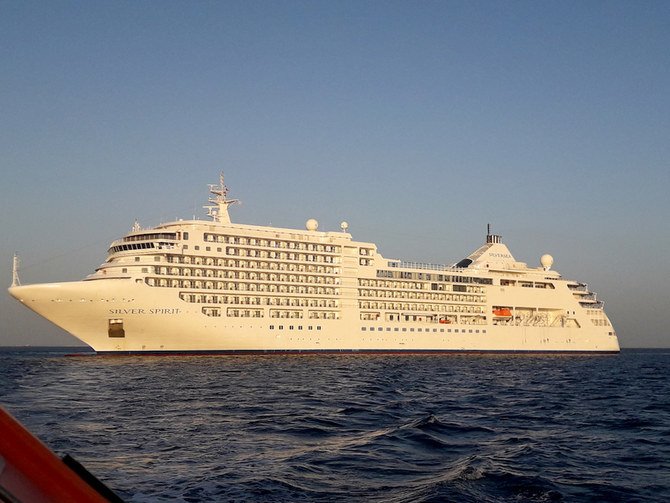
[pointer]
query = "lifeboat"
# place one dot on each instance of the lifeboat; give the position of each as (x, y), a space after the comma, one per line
(445, 321)
(502, 312)
(31, 473)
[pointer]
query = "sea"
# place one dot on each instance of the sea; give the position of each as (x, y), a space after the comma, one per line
(353, 428)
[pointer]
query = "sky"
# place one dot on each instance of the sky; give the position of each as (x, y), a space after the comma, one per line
(416, 122)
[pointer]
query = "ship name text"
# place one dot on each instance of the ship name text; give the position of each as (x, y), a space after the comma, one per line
(140, 310)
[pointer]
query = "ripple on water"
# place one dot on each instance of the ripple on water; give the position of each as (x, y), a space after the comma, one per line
(484, 428)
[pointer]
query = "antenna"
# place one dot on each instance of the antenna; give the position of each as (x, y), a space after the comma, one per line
(219, 210)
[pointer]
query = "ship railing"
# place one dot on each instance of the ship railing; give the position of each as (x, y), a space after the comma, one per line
(146, 237)
(578, 287)
(593, 305)
(151, 236)
(402, 264)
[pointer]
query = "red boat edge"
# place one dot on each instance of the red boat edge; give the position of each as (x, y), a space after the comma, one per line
(31, 473)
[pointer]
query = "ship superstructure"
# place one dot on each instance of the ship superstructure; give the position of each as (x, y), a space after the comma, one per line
(201, 286)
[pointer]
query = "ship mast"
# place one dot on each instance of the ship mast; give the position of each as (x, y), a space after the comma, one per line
(492, 238)
(15, 271)
(219, 209)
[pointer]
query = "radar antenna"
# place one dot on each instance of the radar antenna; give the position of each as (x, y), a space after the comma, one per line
(219, 209)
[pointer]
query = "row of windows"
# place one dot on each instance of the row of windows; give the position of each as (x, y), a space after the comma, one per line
(251, 252)
(271, 243)
(390, 284)
(262, 276)
(435, 308)
(415, 285)
(433, 330)
(242, 287)
(267, 301)
(151, 236)
(274, 313)
(442, 287)
(600, 323)
(294, 327)
(578, 287)
(236, 313)
(593, 305)
(299, 257)
(472, 320)
(526, 284)
(141, 246)
(251, 264)
(433, 277)
(312, 315)
(245, 313)
(447, 297)
(134, 246)
(418, 317)
(422, 318)
(455, 319)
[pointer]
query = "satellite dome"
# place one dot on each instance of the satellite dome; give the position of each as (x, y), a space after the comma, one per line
(344, 226)
(547, 261)
(311, 224)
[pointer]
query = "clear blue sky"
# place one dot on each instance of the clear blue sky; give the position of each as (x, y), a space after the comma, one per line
(417, 122)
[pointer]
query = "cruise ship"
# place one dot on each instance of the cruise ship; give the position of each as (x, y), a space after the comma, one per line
(217, 286)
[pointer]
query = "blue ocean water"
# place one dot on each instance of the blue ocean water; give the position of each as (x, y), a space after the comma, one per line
(462, 428)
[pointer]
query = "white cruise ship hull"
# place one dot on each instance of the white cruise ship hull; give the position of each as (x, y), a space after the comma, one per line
(155, 323)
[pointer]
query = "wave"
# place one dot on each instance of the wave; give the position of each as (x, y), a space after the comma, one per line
(379, 429)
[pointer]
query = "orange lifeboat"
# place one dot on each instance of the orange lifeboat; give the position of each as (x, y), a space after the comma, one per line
(502, 312)
(445, 321)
